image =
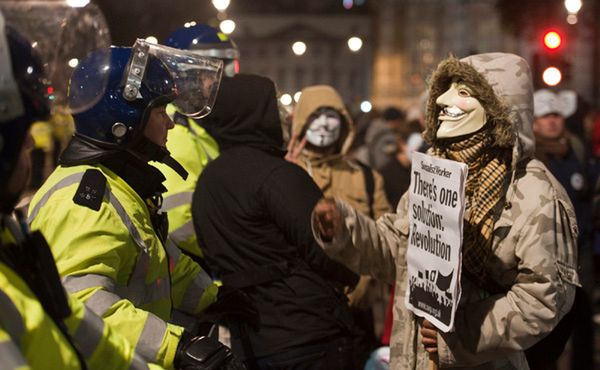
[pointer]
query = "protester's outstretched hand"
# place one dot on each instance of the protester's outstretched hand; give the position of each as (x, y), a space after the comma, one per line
(361, 297)
(328, 218)
(294, 149)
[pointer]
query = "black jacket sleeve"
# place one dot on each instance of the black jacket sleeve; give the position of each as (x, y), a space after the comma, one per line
(289, 195)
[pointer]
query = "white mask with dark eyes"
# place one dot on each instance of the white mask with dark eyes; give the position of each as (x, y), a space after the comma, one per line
(324, 130)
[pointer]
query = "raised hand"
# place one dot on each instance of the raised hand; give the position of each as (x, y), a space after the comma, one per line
(294, 149)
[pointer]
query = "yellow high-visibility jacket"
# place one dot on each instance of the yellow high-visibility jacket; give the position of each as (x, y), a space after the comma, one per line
(28, 330)
(113, 260)
(12, 358)
(100, 346)
(193, 147)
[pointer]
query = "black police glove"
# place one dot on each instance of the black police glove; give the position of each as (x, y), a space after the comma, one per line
(205, 353)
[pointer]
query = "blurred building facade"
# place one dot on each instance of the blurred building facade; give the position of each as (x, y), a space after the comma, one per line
(412, 36)
(265, 43)
(403, 40)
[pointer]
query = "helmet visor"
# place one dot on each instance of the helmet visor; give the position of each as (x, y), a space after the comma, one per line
(61, 32)
(195, 78)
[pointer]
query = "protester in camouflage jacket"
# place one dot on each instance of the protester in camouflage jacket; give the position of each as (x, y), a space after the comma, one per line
(519, 253)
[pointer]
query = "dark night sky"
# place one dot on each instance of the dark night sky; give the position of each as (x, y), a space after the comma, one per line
(131, 19)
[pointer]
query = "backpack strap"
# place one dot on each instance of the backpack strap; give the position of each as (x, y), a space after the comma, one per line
(369, 186)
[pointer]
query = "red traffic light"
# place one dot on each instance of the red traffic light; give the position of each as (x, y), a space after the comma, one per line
(552, 40)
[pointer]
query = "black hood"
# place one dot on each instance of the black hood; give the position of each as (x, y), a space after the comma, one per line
(246, 114)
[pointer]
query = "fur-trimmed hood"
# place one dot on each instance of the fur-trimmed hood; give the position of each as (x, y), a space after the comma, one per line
(502, 83)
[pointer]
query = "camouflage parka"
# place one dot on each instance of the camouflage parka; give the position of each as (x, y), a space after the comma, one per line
(533, 246)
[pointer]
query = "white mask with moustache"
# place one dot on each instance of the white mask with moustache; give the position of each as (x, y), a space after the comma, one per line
(461, 113)
(324, 130)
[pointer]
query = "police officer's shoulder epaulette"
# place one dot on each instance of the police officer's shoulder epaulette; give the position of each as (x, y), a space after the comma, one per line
(91, 189)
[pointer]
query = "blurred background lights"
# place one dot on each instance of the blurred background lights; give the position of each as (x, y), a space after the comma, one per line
(77, 3)
(227, 26)
(552, 40)
(366, 106)
(152, 40)
(355, 43)
(297, 96)
(573, 6)
(552, 76)
(73, 62)
(299, 48)
(286, 99)
(348, 4)
(221, 5)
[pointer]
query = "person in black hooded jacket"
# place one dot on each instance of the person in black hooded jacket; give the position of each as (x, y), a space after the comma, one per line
(251, 211)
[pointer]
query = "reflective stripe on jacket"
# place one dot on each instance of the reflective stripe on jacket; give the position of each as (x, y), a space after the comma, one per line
(113, 260)
(22, 317)
(100, 346)
(12, 358)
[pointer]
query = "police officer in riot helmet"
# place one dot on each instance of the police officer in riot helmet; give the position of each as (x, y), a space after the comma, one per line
(109, 238)
(209, 42)
(40, 326)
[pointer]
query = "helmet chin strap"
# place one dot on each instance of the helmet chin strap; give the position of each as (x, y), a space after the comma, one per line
(154, 152)
(175, 166)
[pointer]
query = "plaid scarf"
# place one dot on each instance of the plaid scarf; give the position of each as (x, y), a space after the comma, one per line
(485, 190)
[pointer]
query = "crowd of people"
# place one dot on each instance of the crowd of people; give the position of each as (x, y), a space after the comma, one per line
(186, 220)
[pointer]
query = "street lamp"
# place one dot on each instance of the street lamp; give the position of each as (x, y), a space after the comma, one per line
(221, 5)
(77, 3)
(355, 44)
(227, 26)
(286, 99)
(297, 96)
(573, 6)
(366, 106)
(299, 47)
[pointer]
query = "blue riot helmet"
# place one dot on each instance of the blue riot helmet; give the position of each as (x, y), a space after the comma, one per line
(116, 121)
(209, 42)
(140, 78)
